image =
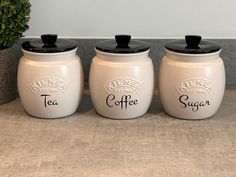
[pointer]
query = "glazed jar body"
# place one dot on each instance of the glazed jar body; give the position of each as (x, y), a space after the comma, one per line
(50, 85)
(121, 85)
(191, 85)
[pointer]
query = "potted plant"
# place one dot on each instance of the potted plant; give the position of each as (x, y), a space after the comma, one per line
(14, 16)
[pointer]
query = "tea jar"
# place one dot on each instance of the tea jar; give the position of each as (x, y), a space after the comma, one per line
(121, 78)
(191, 78)
(50, 77)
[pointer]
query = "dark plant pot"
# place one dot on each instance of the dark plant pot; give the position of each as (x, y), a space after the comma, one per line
(8, 67)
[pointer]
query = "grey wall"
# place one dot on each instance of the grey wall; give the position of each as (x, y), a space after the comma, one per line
(86, 53)
(140, 18)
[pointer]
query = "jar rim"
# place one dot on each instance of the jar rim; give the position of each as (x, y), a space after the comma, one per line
(192, 55)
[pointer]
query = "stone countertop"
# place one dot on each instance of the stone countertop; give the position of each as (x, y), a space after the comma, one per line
(87, 145)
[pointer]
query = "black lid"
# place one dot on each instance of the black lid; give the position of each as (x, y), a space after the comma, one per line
(49, 44)
(193, 45)
(122, 44)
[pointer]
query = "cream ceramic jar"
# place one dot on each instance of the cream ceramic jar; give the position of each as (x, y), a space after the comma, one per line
(50, 77)
(192, 78)
(121, 78)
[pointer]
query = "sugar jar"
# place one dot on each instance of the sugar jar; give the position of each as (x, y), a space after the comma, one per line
(50, 77)
(121, 78)
(191, 78)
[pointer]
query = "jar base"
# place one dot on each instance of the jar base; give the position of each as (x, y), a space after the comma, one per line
(114, 118)
(59, 117)
(190, 119)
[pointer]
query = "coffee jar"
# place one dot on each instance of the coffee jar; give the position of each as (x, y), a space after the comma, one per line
(191, 78)
(121, 78)
(50, 77)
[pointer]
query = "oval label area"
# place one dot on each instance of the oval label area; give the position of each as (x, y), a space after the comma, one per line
(45, 85)
(123, 85)
(122, 93)
(188, 88)
(195, 86)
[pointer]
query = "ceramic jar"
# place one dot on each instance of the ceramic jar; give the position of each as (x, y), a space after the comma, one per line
(192, 78)
(121, 78)
(50, 77)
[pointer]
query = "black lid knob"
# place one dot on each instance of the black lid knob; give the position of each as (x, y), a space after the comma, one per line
(49, 39)
(193, 41)
(122, 41)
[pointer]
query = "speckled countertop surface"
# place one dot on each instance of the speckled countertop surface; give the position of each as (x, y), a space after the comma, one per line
(87, 145)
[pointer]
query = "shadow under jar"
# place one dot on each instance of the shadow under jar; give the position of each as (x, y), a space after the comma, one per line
(192, 78)
(121, 79)
(50, 77)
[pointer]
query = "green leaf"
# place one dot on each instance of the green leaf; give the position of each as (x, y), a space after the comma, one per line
(14, 17)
